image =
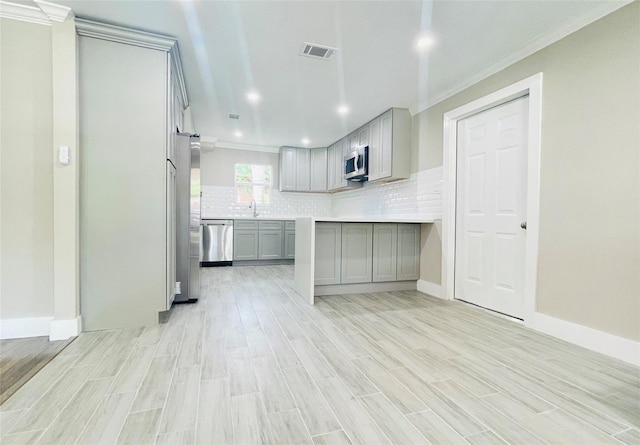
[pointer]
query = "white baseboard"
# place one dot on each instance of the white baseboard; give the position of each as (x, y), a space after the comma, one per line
(602, 342)
(24, 327)
(362, 288)
(429, 288)
(63, 329)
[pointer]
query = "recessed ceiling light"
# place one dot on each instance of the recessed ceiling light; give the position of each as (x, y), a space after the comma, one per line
(423, 42)
(305, 141)
(253, 97)
(238, 134)
(343, 109)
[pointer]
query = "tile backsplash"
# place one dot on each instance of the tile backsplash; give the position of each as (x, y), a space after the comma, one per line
(420, 195)
(221, 202)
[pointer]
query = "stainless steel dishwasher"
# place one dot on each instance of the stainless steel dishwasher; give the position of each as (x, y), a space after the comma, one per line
(217, 242)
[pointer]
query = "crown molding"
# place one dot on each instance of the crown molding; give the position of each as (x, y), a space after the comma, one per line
(536, 45)
(176, 60)
(89, 28)
(24, 13)
(56, 13)
(128, 36)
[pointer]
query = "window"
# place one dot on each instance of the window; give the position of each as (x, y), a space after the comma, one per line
(253, 182)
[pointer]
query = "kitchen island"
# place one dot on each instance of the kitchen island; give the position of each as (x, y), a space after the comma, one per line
(356, 255)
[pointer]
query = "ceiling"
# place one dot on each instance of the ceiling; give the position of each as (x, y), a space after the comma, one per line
(231, 47)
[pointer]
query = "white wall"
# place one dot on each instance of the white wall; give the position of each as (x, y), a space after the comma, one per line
(26, 229)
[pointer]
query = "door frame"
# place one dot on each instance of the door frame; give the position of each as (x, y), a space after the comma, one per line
(531, 86)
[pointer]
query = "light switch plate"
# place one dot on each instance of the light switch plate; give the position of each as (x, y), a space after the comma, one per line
(63, 155)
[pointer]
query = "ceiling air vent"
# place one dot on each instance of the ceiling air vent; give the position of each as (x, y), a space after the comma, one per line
(233, 116)
(317, 51)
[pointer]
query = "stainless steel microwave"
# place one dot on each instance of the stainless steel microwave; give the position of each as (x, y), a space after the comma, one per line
(356, 164)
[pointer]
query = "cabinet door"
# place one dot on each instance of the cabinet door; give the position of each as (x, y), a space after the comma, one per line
(408, 252)
(331, 167)
(318, 170)
(374, 149)
(270, 245)
(346, 148)
(328, 253)
(385, 156)
(353, 141)
(385, 246)
(356, 253)
(245, 245)
(288, 169)
(363, 136)
(289, 245)
(303, 167)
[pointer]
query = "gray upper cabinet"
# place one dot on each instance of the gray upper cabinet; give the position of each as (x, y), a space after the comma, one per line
(335, 167)
(357, 254)
(303, 169)
(328, 253)
(385, 247)
(303, 166)
(363, 136)
(288, 168)
(408, 252)
(390, 146)
(318, 170)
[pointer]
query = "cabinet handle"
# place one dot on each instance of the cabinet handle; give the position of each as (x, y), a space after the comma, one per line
(523, 225)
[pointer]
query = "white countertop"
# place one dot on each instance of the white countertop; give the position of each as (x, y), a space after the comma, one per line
(258, 218)
(373, 219)
(355, 219)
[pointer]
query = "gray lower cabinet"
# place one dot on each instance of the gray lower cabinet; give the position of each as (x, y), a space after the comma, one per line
(408, 252)
(289, 245)
(385, 248)
(357, 253)
(270, 245)
(245, 244)
(328, 253)
(350, 253)
(263, 240)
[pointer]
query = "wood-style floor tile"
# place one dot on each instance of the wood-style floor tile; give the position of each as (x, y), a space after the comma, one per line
(288, 428)
(251, 362)
(107, 420)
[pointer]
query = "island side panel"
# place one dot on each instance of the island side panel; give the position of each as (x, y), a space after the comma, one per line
(305, 257)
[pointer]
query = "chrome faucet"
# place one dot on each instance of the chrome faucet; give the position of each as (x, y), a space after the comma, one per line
(254, 206)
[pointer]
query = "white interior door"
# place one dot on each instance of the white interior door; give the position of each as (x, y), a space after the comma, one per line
(490, 208)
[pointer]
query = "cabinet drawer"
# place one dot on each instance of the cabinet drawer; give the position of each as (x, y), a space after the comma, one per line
(289, 225)
(270, 225)
(245, 224)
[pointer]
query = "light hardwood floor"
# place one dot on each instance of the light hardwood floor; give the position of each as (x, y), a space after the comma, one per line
(252, 363)
(22, 358)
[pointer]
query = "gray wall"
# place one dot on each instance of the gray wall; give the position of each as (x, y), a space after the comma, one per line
(217, 165)
(26, 172)
(589, 251)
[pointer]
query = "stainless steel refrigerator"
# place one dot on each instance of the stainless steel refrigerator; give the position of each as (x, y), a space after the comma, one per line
(188, 194)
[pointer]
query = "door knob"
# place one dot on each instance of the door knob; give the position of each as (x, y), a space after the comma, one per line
(523, 225)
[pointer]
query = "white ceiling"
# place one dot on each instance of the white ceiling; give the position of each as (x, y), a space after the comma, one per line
(231, 47)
